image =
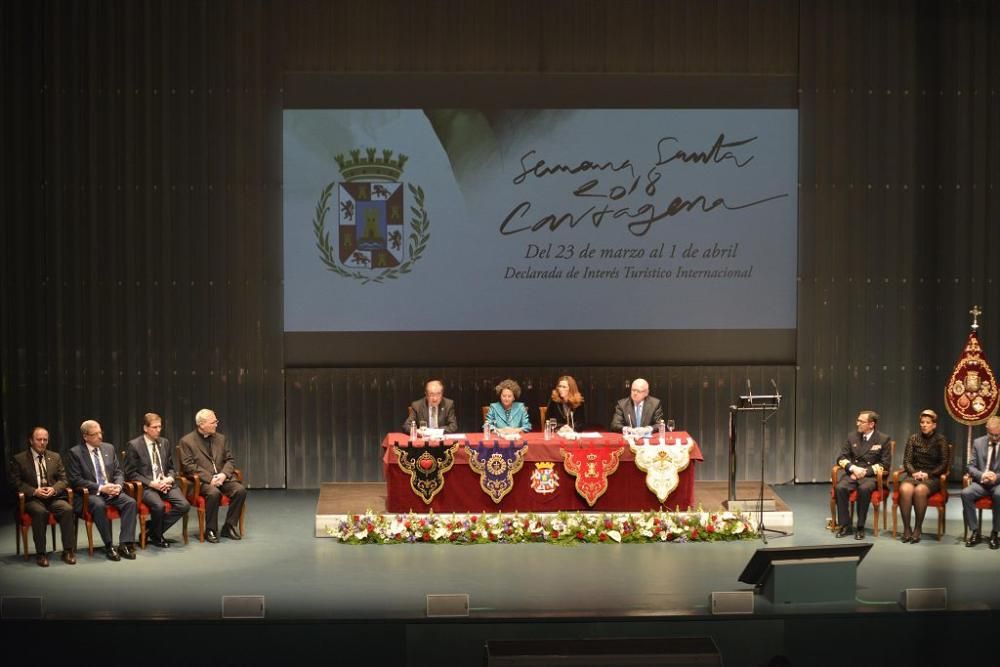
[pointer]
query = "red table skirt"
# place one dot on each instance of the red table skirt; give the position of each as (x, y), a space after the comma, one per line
(626, 491)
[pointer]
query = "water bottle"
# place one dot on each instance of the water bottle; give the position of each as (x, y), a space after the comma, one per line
(486, 431)
(662, 429)
(413, 429)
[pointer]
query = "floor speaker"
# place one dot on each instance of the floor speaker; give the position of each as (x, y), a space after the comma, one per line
(447, 604)
(242, 606)
(731, 602)
(924, 599)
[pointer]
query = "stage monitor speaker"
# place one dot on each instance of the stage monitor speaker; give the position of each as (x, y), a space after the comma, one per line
(924, 599)
(21, 608)
(447, 604)
(731, 602)
(625, 652)
(242, 606)
(822, 573)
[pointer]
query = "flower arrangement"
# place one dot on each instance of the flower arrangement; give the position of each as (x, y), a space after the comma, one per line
(562, 528)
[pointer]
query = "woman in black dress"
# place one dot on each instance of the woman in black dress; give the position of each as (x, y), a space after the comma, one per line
(566, 405)
(923, 461)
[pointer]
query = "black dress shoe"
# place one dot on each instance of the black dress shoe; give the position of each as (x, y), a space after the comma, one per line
(974, 539)
(844, 531)
(160, 542)
(126, 550)
(210, 536)
(231, 532)
(907, 536)
(69, 557)
(994, 541)
(42, 560)
(111, 552)
(859, 534)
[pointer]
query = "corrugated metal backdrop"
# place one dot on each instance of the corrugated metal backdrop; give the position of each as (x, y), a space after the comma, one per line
(142, 204)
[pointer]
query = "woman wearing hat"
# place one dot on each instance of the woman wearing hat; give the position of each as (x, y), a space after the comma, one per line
(923, 461)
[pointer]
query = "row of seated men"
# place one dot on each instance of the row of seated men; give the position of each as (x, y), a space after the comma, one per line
(866, 453)
(93, 470)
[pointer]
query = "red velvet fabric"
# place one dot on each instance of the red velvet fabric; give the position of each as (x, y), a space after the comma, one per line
(626, 492)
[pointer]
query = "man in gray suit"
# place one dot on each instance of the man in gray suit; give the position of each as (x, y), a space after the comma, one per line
(204, 454)
(984, 467)
(149, 460)
(433, 411)
(93, 465)
(40, 476)
(639, 409)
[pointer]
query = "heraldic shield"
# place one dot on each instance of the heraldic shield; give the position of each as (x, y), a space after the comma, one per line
(591, 467)
(496, 466)
(971, 393)
(662, 465)
(371, 224)
(426, 467)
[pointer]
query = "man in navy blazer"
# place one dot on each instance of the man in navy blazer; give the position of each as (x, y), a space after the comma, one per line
(639, 409)
(984, 468)
(865, 453)
(149, 460)
(94, 466)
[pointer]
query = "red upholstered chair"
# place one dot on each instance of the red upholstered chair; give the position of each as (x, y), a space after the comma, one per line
(984, 503)
(938, 500)
(24, 522)
(879, 497)
(142, 509)
(198, 501)
(88, 519)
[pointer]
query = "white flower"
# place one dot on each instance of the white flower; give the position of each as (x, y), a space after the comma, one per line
(615, 535)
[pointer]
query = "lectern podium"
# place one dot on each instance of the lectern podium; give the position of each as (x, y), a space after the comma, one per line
(767, 405)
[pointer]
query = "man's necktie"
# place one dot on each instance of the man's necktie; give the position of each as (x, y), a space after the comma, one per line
(434, 416)
(638, 415)
(989, 455)
(42, 472)
(98, 470)
(157, 468)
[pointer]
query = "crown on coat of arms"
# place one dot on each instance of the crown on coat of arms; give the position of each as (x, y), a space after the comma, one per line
(371, 165)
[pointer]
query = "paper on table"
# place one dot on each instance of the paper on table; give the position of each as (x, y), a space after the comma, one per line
(455, 436)
(590, 434)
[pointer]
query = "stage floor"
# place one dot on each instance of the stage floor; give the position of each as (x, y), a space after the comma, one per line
(336, 501)
(516, 590)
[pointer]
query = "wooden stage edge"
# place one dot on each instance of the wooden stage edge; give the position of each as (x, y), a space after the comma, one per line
(337, 500)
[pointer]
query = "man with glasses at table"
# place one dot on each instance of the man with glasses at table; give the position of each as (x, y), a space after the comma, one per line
(204, 454)
(865, 453)
(93, 465)
(432, 411)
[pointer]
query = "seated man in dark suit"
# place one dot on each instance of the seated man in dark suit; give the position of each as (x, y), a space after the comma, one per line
(865, 453)
(639, 409)
(40, 476)
(205, 455)
(93, 465)
(433, 410)
(984, 468)
(149, 460)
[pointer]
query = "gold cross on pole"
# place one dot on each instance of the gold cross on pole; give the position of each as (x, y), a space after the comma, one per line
(975, 312)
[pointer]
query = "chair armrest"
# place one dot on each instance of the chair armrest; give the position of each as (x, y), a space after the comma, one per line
(895, 475)
(966, 480)
(20, 503)
(182, 481)
(878, 479)
(86, 496)
(135, 490)
(833, 475)
(238, 474)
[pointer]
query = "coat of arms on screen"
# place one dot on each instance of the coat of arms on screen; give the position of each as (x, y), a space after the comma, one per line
(374, 242)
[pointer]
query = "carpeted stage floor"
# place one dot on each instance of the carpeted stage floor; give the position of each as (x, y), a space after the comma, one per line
(515, 590)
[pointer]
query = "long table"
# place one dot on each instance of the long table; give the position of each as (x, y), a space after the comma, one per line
(626, 491)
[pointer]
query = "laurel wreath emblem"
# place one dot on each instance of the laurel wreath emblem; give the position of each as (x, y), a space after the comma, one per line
(418, 237)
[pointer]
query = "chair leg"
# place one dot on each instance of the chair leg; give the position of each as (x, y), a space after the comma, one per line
(885, 513)
(833, 514)
(895, 513)
(184, 529)
(940, 530)
(24, 539)
(243, 513)
(53, 526)
(142, 532)
(90, 537)
(201, 525)
(875, 521)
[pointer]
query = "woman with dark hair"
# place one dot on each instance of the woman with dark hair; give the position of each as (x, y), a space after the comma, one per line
(566, 405)
(924, 460)
(508, 414)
